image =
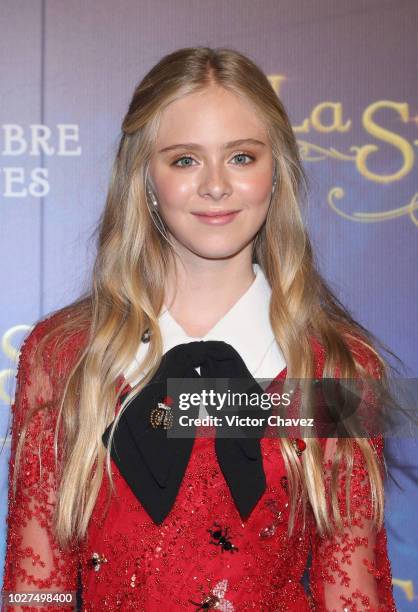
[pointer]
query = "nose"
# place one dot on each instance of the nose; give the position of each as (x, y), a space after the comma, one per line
(215, 183)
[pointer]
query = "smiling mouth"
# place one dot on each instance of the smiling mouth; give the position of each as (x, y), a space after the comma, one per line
(219, 213)
(216, 218)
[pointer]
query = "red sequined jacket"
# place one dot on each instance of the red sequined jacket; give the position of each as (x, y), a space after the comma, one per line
(127, 562)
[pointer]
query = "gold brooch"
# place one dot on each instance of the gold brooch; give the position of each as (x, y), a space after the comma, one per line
(161, 416)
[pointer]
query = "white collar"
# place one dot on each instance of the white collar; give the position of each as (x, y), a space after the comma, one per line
(246, 326)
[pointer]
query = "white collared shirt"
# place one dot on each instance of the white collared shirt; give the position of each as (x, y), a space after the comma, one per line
(246, 326)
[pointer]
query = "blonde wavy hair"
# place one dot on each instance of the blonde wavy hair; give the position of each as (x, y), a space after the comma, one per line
(127, 293)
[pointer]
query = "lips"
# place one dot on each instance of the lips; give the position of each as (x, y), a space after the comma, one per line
(217, 217)
(215, 213)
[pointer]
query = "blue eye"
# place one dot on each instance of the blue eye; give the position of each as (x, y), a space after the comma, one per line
(180, 159)
(188, 157)
(244, 155)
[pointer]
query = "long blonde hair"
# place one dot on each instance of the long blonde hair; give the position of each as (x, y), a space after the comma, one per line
(127, 293)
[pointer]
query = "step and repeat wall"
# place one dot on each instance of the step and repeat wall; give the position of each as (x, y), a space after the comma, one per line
(346, 74)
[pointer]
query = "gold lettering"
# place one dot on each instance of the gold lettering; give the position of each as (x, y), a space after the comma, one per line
(276, 81)
(407, 587)
(11, 353)
(381, 133)
(336, 124)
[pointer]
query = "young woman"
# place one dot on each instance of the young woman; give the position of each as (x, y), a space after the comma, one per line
(202, 239)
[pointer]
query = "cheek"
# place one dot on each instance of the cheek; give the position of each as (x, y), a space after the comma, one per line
(175, 189)
(256, 191)
(256, 203)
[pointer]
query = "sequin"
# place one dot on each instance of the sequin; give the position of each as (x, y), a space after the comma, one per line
(163, 567)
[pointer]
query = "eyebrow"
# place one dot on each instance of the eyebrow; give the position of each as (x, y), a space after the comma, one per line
(228, 145)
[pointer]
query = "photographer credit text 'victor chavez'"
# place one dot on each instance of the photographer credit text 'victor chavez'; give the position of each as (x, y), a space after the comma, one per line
(273, 420)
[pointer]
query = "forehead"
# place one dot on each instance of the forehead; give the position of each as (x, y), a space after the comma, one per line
(212, 116)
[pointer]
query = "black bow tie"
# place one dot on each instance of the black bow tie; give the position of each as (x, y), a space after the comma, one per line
(153, 464)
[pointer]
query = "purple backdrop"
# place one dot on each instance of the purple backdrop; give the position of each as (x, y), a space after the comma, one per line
(345, 72)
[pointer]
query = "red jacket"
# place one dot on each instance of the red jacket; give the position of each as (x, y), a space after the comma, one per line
(203, 555)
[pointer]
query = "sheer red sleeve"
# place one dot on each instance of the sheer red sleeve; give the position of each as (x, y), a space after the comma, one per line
(34, 561)
(351, 571)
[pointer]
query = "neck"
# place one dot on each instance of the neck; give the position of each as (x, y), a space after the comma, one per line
(206, 290)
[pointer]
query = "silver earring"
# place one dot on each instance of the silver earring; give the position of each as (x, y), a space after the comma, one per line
(156, 217)
(152, 198)
(274, 180)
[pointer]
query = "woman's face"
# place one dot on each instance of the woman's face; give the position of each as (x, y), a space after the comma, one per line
(198, 168)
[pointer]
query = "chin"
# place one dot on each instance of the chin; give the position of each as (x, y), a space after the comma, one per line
(221, 252)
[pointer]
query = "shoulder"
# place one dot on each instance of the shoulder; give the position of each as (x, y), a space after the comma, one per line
(365, 355)
(360, 349)
(319, 355)
(50, 345)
